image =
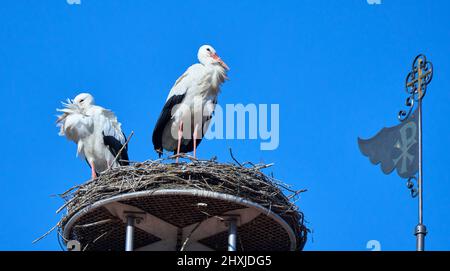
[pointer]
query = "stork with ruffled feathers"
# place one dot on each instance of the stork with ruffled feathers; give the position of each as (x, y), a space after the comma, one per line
(96, 132)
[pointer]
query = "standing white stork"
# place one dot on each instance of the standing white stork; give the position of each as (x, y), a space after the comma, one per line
(95, 130)
(191, 101)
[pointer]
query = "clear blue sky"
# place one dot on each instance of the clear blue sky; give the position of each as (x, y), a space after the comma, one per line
(337, 69)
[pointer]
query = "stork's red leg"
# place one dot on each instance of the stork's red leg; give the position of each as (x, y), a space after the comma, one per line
(194, 138)
(180, 134)
(93, 174)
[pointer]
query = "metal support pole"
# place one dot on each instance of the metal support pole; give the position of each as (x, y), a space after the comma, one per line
(129, 238)
(416, 86)
(232, 234)
(421, 230)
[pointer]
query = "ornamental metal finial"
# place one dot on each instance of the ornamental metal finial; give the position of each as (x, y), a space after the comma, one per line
(416, 84)
(411, 185)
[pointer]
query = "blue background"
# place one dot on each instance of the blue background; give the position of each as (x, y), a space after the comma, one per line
(337, 69)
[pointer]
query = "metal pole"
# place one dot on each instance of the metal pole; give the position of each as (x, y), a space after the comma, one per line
(416, 85)
(232, 234)
(421, 230)
(129, 238)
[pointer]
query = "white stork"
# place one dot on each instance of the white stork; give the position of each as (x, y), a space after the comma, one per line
(95, 130)
(191, 101)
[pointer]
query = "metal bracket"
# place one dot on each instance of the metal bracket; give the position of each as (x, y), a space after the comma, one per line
(137, 216)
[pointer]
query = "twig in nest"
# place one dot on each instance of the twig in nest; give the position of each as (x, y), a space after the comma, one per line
(189, 236)
(96, 239)
(95, 223)
(45, 234)
(232, 156)
(296, 193)
(121, 149)
(183, 155)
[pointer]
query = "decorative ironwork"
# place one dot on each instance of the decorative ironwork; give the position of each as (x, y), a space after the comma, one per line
(395, 148)
(412, 186)
(416, 87)
(400, 147)
(416, 84)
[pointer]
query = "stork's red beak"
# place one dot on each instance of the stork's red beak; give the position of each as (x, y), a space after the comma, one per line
(220, 61)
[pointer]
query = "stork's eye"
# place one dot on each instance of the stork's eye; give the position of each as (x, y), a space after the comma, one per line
(207, 49)
(81, 100)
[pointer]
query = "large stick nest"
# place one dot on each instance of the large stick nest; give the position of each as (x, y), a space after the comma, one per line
(242, 180)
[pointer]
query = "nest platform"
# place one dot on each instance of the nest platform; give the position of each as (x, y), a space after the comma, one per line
(185, 206)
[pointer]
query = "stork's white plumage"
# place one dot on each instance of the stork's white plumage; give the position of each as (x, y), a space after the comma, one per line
(95, 130)
(190, 104)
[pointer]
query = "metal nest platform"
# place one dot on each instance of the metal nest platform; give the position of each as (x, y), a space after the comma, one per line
(198, 205)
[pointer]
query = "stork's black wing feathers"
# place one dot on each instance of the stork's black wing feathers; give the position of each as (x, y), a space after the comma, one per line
(164, 118)
(114, 146)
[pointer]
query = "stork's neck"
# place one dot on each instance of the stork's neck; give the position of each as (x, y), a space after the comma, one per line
(218, 75)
